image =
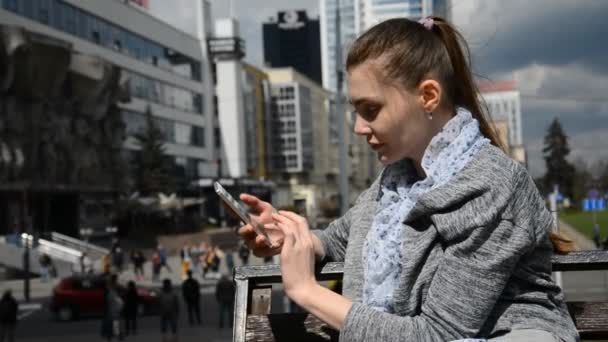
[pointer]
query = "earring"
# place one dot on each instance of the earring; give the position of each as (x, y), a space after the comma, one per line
(430, 115)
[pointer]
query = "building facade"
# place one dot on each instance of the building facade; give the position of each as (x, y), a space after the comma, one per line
(504, 106)
(293, 40)
(299, 148)
(168, 70)
(256, 105)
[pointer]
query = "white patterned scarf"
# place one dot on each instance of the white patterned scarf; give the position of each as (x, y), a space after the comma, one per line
(447, 153)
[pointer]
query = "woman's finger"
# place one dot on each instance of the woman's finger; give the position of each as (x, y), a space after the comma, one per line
(254, 203)
(289, 232)
(247, 232)
(286, 221)
(293, 217)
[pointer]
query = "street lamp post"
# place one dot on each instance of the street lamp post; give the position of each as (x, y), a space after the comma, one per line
(344, 172)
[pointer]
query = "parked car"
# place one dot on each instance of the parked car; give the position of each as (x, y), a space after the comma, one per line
(83, 296)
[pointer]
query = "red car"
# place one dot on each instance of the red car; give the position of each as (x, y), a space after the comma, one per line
(78, 296)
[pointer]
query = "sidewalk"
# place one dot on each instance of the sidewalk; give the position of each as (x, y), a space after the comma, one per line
(580, 241)
(41, 290)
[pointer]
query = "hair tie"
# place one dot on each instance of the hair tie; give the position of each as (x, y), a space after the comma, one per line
(427, 22)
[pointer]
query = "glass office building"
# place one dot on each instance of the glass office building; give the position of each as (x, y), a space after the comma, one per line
(356, 16)
(167, 69)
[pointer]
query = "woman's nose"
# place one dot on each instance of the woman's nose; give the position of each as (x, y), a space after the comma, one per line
(361, 127)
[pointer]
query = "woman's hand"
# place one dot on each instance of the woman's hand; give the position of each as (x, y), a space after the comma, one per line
(263, 215)
(297, 255)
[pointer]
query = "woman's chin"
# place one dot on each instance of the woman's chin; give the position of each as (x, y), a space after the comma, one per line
(385, 159)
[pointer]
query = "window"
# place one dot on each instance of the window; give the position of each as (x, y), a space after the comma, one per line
(11, 5)
(183, 133)
(95, 37)
(217, 136)
(70, 19)
(198, 136)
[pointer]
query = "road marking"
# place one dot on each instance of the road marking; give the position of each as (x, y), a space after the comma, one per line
(29, 309)
(30, 306)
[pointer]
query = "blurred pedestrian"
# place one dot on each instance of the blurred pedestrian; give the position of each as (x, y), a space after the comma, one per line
(218, 256)
(164, 258)
(596, 235)
(45, 267)
(113, 308)
(224, 293)
(169, 311)
(195, 259)
(131, 306)
(85, 264)
(8, 317)
(118, 257)
(244, 254)
(106, 264)
(138, 260)
(156, 266)
(229, 257)
(191, 291)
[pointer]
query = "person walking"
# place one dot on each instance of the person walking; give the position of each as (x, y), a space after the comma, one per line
(224, 294)
(8, 317)
(138, 260)
(191, 292)
(156, 266)
(45, 267)
(244, 254)
(596, 235)
(131, 309)
(169, 312)
(113, 310)
(164, 262)
(118, 257)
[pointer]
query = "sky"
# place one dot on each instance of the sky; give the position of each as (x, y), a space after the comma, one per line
(555, 50)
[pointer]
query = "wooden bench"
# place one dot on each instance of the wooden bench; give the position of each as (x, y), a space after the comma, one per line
(253, 321)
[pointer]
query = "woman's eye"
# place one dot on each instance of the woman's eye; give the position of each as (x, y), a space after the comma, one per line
(369, 112)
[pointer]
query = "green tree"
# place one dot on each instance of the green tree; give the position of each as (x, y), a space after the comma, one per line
(559, 170)
(153, 167)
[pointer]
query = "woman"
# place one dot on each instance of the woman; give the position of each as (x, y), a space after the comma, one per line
(452, 240)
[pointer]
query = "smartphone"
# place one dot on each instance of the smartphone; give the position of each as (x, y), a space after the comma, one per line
(241, 212)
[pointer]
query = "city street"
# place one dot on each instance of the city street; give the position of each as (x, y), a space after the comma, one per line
(40, 325)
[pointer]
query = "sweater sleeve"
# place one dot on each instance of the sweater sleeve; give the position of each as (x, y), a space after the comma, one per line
(334, 238)
(465, 288)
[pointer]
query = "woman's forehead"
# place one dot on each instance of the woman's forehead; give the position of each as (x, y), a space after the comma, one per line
(364, 81)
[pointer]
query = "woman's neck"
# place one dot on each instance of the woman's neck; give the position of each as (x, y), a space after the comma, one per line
(440, 119)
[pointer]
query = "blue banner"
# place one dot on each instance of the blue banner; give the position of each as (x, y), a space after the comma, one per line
(593, 204)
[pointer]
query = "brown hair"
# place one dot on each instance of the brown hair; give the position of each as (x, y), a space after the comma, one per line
(412, 52)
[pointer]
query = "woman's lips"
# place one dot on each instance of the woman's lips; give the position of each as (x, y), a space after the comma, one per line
(376, 147)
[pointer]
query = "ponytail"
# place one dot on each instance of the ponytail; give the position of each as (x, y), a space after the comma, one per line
(465, 91)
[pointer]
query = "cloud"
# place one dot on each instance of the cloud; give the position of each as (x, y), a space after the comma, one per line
(554, 50)
(507, 35)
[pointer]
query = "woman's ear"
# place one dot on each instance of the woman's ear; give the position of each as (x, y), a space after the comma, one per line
(430, 95)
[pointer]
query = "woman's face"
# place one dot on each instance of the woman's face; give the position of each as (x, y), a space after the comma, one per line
(391, 118)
